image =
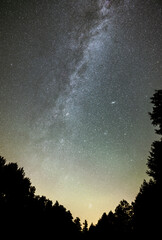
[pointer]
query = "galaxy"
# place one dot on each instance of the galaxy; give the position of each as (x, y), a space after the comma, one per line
(76, 77)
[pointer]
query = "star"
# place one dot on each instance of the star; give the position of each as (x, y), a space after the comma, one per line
(113, 102)
(67, 114)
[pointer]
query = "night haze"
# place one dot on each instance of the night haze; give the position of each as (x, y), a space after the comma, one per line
(76, 78)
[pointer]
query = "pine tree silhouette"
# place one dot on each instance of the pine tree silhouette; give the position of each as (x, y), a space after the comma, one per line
(147, 205)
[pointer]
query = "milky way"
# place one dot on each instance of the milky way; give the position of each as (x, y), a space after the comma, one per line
(76, 82)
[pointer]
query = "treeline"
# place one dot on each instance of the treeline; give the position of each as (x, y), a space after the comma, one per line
(23, 214)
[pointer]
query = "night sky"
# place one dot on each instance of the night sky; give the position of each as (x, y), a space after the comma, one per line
(76, 77)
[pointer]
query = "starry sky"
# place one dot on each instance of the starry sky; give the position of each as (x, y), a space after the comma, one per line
(76, 77)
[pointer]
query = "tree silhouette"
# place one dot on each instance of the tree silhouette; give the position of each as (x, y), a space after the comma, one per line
(154, 161)
(114, 225)
(21, 211)
(85, 226)
(78, 224)
(16, 194)
(147, 205)
(156, 115)
(123, 218)
(85, 230)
